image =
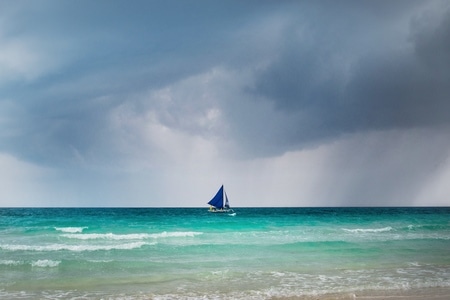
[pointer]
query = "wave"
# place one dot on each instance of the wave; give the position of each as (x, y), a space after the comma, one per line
(176, 234)
(427, 227)
(11, 262)
(75, 248)
(368, 230)
(45, 263)
(131, 236)
(38, 263)
(71, 229)
(107, 236)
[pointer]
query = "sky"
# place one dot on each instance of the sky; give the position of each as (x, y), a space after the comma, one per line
(286, 103)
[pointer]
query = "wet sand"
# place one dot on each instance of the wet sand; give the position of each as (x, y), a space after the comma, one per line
(426, 293)
(423, 294)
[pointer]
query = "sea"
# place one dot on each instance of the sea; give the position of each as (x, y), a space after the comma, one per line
(256, 253)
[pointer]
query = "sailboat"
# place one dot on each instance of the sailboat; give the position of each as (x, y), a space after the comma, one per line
(219, 203)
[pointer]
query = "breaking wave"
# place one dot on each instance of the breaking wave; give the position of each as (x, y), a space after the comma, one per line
(45, 263)
(42, 263)
(75, 248)
(10, 262)
(71, 229)
(132, 236)
(368, 230)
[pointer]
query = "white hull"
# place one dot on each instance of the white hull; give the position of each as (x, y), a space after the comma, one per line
(224, 210)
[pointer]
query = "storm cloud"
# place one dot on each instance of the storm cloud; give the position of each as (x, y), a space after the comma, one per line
(114, 103)
(334, 85)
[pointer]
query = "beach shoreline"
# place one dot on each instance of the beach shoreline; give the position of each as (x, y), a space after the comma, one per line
(423, 294)
(440, 293)
(415, 294)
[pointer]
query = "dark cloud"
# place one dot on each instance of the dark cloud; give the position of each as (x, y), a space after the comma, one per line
(330, 69)
(329, 84)
(122, 100)
(112, 52)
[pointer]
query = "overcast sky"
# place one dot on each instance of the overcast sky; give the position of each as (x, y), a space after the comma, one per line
(286, 103)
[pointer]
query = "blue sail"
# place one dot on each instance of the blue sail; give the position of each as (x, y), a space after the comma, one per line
(217, 201)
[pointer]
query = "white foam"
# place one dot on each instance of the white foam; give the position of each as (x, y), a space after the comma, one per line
(278, 274)
(45, 263)
(75, 248)
(132, 236)
(176, 234)
(106, 236)
(10, 262)
(71, 229)
(368, 230)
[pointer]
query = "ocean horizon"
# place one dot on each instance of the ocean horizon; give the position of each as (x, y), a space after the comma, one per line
(190, 253)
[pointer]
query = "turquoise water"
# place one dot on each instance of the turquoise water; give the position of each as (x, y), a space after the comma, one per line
(189, 253)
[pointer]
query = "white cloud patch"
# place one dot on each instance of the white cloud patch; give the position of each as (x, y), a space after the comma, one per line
(171, 123)
(28, 58)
